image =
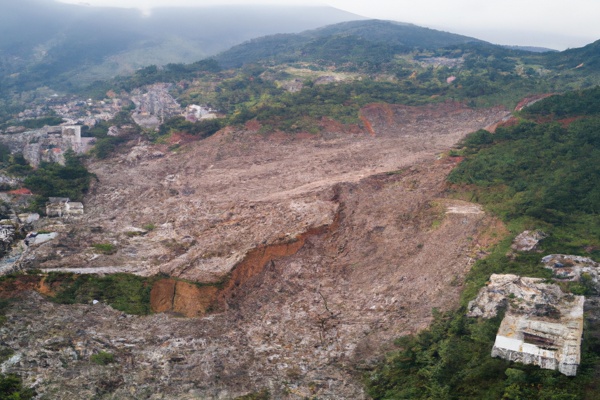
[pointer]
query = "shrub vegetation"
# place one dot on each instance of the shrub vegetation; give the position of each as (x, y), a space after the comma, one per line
(533, 175)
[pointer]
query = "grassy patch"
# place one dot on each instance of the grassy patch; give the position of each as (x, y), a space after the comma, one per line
(149, 227)
(105, 248)
(124, 292)
(11, 388)
(3, 306)
(103, 358)
(133, 233)
(262, 395)
(5, 353)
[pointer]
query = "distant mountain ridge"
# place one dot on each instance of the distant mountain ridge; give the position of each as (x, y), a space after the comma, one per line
(50, 47)
(42, 39)
(532, 49)
(586, 58)
(385, 35)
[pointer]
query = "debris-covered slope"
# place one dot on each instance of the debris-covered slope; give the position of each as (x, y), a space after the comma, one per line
(211, 202)
(304, 323)
(320, 250)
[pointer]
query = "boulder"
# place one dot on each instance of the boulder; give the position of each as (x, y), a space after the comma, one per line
(542, 325)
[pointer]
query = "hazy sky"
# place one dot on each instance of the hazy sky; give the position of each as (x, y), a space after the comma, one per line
(557, 24)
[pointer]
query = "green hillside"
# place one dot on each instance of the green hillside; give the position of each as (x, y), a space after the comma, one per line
(373, 40)
(48, 43)
(535, 175)
(363, 61)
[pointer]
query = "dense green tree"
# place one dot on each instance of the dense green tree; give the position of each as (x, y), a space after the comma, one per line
(202, 128)
(54, 180)
(11, 388)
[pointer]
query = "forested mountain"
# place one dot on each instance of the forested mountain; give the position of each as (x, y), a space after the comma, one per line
(586, 58)
(44, 42)
(379, 43)
(375, 39)
(377, 59)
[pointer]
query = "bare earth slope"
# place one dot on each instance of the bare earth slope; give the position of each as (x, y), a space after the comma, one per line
(213, 201)
(325, 256)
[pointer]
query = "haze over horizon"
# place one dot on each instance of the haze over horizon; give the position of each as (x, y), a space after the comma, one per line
(556, 25)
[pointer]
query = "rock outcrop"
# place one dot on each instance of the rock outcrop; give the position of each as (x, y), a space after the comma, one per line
(7, 236)
(528, 240)
(574, 268)
(542, 325)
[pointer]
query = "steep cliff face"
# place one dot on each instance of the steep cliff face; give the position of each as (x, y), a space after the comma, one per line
(313, 255)
(182, 298)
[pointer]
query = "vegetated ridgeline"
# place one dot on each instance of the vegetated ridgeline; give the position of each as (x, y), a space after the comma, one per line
(304, 310)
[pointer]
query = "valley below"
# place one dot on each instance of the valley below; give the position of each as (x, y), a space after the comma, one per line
(285, 264)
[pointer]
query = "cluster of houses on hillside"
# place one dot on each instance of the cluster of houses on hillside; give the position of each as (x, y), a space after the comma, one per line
(48, 143)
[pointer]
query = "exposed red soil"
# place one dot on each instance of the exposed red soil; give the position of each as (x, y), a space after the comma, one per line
(11, 287)
(253, 125)
(21, 192)
(329, 125)
(256, 260)
(181, 297)
(512, 121)
(181, 138)
(565, 122)
(531, 100)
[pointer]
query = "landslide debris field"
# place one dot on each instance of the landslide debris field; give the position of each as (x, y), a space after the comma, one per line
(322, 249)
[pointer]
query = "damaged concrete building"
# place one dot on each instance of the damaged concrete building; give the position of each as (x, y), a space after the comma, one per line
(542, 325)
(48, 143)
(63, 206)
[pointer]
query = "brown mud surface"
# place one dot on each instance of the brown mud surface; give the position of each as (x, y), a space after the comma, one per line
(325, 248)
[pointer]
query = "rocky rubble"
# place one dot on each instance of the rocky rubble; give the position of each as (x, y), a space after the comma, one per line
(300, 324)
(213, 201)
(573, 268)
(7, 236)
(542, 325)
(324, 248)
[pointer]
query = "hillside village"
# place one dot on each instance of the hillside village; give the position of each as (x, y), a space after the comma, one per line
(153, 105)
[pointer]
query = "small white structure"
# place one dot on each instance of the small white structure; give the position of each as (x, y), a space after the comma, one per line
(63, 206)
(74, 208)
(527, 240)
(34, 238)
(194, 113)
